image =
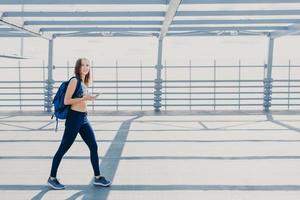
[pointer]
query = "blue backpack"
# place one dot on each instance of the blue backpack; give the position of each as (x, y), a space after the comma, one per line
(60, 109)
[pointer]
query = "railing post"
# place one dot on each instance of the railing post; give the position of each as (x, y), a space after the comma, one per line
(19, 72)
(166, 84)
(141, 83)
(239, 85)
(190, 84)
(158, 80)
(215, 84)
(268, 80)
(117, 86)
(92, 77)
(49, 81)
(289, 85)
(19, 64)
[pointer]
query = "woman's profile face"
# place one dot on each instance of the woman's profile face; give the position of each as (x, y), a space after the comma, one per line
(85, 67)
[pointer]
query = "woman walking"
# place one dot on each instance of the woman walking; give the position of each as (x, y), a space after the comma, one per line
(77, 121)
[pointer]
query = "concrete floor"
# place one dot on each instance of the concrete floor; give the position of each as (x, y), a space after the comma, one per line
(224, 155)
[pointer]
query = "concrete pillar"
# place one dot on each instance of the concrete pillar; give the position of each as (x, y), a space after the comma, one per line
(49, 82)
(268, 79)
(158, 80)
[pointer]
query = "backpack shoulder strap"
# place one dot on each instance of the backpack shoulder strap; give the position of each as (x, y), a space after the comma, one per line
(74, 77)
(78, 83)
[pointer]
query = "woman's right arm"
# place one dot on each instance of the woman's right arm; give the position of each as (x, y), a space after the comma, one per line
(70, 91)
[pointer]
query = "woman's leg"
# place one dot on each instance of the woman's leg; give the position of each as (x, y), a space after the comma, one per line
(68, 139)
(88, 136)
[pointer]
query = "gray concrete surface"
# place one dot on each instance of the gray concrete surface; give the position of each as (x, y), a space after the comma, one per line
(224, 155)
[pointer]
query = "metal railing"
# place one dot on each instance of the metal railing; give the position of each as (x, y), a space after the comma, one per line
(188, 93)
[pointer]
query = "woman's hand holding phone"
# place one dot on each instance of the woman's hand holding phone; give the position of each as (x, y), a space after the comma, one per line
(90, 97)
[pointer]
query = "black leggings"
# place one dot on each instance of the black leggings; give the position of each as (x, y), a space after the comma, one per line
(77, 122)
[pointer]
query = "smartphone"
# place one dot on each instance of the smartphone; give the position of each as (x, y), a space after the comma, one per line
(97, 94)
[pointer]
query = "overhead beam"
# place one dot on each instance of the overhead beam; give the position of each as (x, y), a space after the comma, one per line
(152, 13)
(103, 34)
(18, 35)
(293, 29)
(70, 2)
(238, 1)
(24, 30)
(21, 28)
(227, 28)
(124, 34)
(153, 34)
(86, 14)
(94, 22)
(149, 29)
(210, 13)
(39, 2)
(158, 22)
(239, 21)
(201, 33)
(7, 30)
(170, 14)
(138, 34)
(90, 29)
